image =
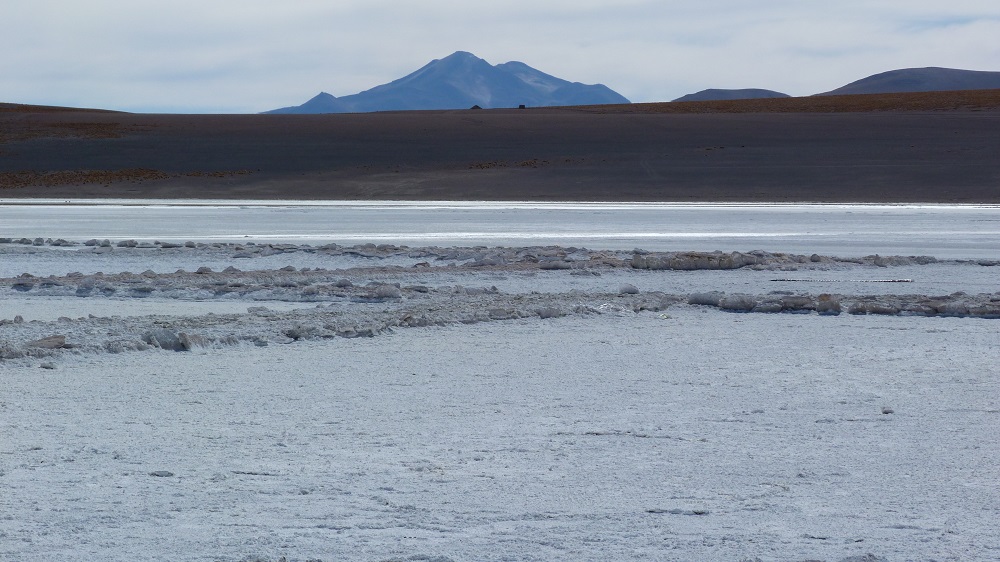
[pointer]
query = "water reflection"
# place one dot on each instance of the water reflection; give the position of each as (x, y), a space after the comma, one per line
(941, 230)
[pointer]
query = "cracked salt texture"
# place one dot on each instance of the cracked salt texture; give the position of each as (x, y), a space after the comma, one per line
(463, 403)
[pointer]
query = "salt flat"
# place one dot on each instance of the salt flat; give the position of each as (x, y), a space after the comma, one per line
(704, 435)
(507, 404)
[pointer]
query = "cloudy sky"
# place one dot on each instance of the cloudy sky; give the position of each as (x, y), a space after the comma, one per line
(234, 56)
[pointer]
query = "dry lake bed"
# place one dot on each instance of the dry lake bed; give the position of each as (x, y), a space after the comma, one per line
(265, 401)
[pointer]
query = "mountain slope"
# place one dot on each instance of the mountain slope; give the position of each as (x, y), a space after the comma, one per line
(324, 103)
(931, 79)
(742, 94)
(460, 81)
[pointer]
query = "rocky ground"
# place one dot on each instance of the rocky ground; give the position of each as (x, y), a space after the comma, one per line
(909, 147)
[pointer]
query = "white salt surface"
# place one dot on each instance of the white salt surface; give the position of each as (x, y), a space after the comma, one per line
(52, 308)
(698, 436)
(44, 260)
(630, 426)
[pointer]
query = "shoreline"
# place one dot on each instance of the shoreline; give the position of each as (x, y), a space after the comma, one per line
(138, 202)
(945, 231)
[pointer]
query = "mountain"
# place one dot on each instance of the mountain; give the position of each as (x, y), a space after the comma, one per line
(931, 79)
(744, 94)
(322, 103)
(460, 81)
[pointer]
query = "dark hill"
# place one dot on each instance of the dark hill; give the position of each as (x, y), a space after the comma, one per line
(909, 147)
(931, 79)
(742, 94)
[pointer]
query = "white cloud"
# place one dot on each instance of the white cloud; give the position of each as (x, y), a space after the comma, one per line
(250, 55)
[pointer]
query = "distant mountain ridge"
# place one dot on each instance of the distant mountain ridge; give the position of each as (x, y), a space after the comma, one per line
(463, 80)
(460, 81)
(715, 94)
(930, 79)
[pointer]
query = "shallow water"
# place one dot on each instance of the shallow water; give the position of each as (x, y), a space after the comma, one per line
(944, 231)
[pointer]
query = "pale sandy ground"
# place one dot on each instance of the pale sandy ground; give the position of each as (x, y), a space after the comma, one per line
(681, 434)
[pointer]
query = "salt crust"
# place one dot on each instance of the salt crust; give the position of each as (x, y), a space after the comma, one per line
(534, 412)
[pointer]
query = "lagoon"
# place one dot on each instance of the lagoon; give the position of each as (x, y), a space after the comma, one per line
(943, 231)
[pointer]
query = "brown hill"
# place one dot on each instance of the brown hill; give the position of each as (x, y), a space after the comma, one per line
(915, 101)
(921, 147)
(24, 108)
(928, 79)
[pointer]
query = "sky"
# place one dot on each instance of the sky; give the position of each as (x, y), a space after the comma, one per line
(246, 56)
